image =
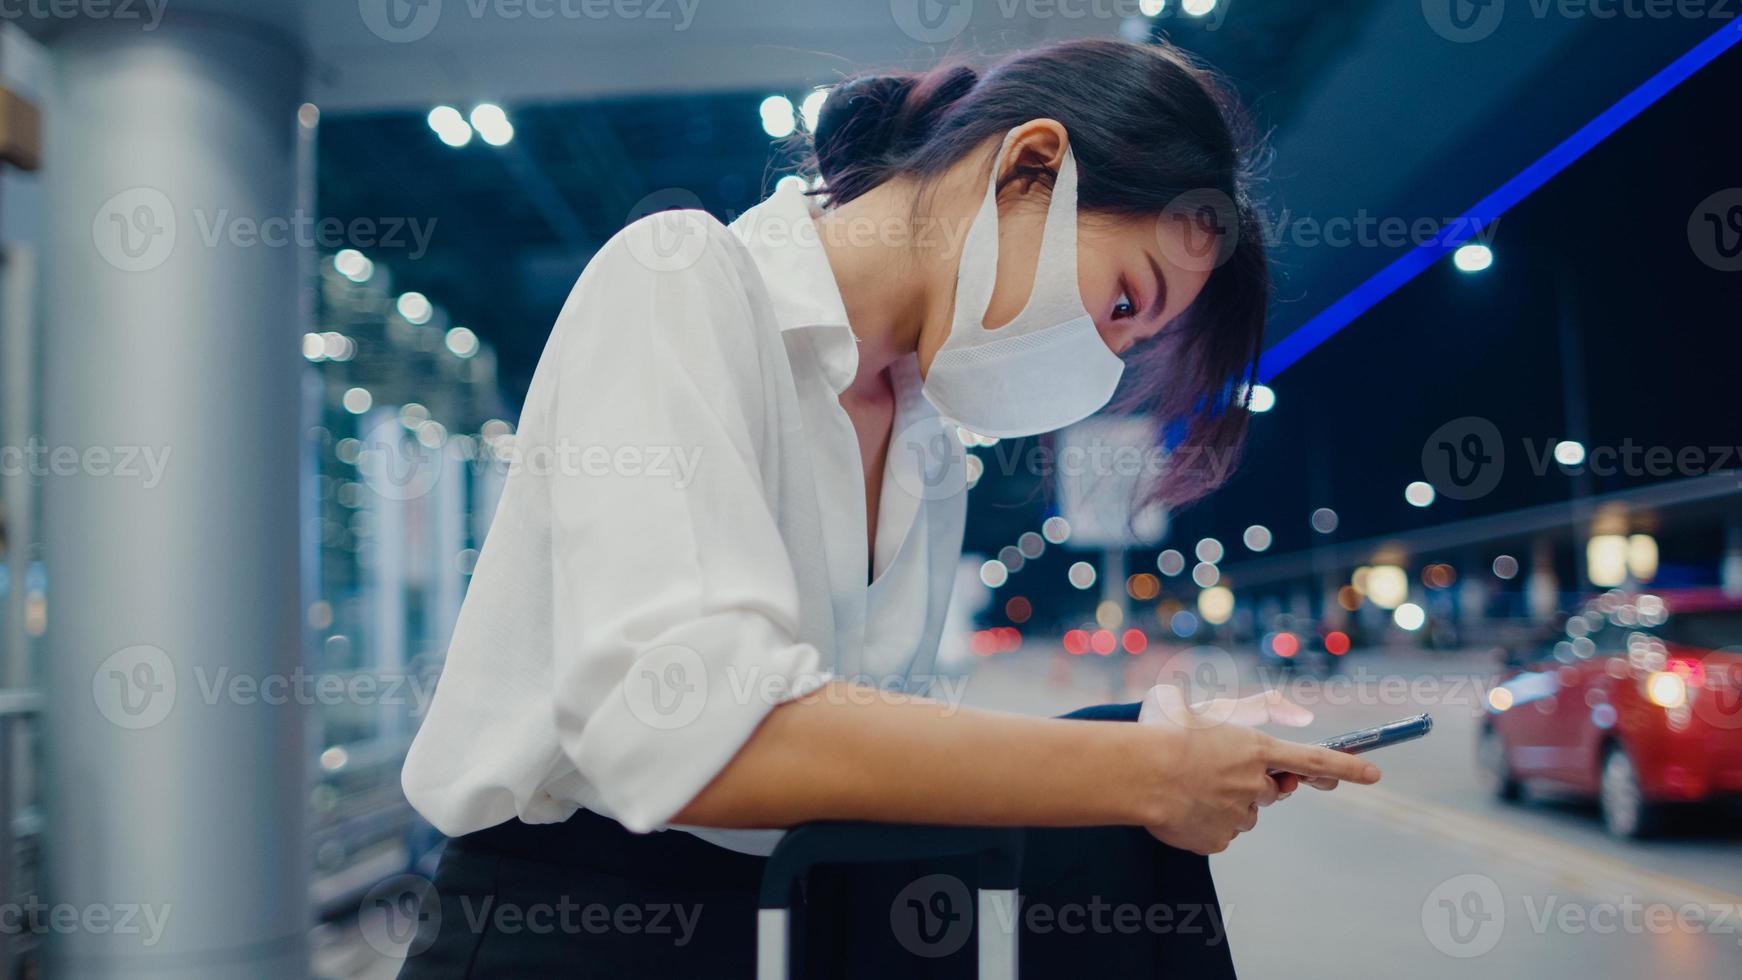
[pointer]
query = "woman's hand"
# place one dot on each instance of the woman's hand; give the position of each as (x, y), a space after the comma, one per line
(1218, 773)
(1265, 708)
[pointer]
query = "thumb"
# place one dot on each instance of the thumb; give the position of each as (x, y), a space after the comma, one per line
(1165, 702)
(1282, 711)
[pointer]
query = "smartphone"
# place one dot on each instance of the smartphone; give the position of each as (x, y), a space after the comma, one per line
(1390, 733)
(1367, 739)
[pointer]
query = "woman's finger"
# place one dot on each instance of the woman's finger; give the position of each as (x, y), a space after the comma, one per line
(1165, 704)
(1282, 711)
(1322, 783)
(1315, 761)
(1264, 708)
(1286, 783)
(1251, 819)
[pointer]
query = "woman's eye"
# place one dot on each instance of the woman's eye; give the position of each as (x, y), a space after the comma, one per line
(1124, 307)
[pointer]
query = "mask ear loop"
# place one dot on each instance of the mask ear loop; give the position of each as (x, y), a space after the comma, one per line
(1058, 242)
(978, 269)
(1056, 266)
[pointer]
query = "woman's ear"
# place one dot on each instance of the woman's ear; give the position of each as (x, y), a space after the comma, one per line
(1037, 151)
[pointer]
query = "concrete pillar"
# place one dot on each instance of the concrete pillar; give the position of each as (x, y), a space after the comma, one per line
(176, 782)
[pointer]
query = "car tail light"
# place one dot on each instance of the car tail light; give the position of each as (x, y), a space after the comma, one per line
(1689, 670)
(1666, 689)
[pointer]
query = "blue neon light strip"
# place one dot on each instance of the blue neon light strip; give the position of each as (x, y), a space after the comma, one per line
(1412, 263)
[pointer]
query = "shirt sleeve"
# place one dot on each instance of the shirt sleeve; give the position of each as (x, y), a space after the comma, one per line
(677, 610)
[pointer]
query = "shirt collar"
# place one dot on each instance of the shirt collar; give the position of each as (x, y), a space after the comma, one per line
(783, 240)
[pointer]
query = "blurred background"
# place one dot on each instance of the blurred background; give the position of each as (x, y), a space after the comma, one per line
(274, 277)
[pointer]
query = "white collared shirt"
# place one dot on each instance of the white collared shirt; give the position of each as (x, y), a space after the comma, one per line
(681, 543)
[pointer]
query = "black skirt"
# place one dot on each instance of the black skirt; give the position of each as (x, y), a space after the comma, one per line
(587, 898)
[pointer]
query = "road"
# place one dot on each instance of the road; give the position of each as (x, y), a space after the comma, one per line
(1425, 875)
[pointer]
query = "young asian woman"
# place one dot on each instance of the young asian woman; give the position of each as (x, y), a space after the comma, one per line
(658, 669)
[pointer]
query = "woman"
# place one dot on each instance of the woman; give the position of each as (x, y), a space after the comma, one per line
(721, 644)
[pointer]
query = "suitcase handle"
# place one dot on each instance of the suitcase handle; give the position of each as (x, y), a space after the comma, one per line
(838, 842)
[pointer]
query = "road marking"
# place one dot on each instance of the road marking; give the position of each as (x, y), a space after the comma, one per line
(1577, 868)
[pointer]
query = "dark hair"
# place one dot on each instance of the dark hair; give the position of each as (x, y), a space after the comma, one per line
(1153, 131)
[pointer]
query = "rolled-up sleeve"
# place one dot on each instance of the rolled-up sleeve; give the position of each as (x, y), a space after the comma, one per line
(676, 608)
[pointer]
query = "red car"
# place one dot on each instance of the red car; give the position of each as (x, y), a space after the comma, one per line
(1638, 704)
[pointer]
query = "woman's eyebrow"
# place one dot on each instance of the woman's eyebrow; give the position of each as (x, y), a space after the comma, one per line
(1159, 301)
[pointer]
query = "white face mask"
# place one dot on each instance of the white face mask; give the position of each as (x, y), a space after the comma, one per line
(1043, 370)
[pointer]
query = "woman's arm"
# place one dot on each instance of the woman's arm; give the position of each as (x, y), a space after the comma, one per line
(848, 753)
